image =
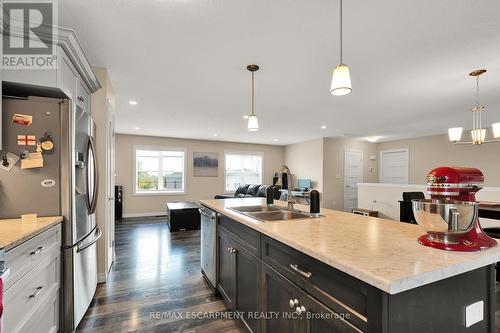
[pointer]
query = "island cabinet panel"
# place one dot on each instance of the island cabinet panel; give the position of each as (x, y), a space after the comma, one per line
(293, 310)
(246, 236)
(227, 282)
(339, 291)
(239, 279)
(440, 306)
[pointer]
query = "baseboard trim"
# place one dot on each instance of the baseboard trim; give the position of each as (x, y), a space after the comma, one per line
(102, 277)
(145, 214)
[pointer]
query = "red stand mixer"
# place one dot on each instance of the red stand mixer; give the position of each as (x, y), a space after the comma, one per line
(450, 217)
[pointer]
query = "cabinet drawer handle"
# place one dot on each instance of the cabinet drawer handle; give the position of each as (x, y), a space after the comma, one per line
(300, 310)
(37, 251)
(36, 293)
(301, 272)
(293, 303)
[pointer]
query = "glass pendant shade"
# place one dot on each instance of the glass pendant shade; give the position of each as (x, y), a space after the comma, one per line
(478, 136)
(455, 134)
(341, 81)
(496, 130)
(253, 123)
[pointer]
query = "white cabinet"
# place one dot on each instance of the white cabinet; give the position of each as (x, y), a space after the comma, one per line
(31, 296)
(64, 78)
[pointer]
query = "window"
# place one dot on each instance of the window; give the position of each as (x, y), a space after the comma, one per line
(242, 168)
(159, 171)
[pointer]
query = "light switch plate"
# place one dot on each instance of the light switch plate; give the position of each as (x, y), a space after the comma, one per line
(474, 313)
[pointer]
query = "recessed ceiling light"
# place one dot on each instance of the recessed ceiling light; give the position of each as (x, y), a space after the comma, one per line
(216, 134)
(132, 102)
(245, 117)
(137, 128)
(275, 140)
(323, 127)
(373, 138)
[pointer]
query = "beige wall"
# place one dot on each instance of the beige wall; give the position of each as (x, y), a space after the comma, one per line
(99, 109)
(305, 160)
(333, 168)
(197, 188)
(428, 152)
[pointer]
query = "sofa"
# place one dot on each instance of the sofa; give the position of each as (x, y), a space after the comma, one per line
(251, 191)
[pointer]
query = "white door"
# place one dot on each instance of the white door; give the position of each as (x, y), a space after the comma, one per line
(353, 175)
(394, 166)
(111, 185)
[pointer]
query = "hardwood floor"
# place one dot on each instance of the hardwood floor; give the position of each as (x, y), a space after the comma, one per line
(154, 283)
(157, 273)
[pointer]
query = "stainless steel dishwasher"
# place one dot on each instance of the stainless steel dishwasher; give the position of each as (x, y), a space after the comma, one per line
(209, 245)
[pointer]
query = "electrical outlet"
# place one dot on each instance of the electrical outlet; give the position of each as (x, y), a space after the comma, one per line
(474, 313)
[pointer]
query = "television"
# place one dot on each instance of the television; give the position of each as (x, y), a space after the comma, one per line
(304, 183)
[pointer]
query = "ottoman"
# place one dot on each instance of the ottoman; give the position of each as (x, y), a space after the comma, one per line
(183, 215)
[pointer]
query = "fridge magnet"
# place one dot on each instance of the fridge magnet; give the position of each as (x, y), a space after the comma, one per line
(22, 119)
(8, 161)
(47, 142)
(47, 183)
(34, 160)
(26, 140)
(24, 154)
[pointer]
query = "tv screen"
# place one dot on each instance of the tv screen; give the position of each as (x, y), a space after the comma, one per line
(304, 183)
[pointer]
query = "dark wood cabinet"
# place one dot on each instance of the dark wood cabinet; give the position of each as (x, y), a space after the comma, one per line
(227, 262)
(280, 289)
(239, 279)
(247, 275)
(295, 310)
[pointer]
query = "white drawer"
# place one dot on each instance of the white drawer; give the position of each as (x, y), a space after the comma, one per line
(23, 299)
(46, 318)
(26, 256)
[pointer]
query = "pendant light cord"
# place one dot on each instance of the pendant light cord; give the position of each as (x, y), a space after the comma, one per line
(253, 94)
(477, 91)
(340, 31)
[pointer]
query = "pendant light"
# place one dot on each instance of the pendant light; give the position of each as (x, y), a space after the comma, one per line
(478, 133)
(253, 123)
(341, 79)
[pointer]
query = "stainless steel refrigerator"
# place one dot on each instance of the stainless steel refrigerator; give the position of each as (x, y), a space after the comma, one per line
(72, 166)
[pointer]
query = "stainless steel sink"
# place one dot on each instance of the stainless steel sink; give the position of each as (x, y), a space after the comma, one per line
(269, 213)
(260, 208)
(278, 215)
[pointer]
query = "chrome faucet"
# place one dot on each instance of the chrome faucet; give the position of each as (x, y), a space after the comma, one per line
(290, 200)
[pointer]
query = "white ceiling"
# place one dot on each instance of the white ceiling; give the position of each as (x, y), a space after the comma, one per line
(184, 62)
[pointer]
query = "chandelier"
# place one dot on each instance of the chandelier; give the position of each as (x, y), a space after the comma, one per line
(478, 133)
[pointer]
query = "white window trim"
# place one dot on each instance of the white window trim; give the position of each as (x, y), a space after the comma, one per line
(161, 193)
(237, 152)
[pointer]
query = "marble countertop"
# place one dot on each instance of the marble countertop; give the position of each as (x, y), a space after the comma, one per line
(382, 253)
(14, 232)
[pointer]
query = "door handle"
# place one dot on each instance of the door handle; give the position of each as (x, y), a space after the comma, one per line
(37, 251)
(97, 235)
(95, 190)
(36, 293)
(301, 272)
(202, 212)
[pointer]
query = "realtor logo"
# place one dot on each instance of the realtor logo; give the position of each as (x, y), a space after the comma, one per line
(29, 31)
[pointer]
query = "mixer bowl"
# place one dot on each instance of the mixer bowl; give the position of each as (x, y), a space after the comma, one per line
(444, 218)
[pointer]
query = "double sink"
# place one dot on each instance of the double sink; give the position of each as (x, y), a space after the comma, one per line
(269, 213)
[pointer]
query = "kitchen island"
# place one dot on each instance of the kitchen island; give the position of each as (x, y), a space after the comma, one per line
(348, 273)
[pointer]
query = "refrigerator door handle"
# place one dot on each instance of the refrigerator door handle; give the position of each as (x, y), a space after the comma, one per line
(97, 235)
(93, 204)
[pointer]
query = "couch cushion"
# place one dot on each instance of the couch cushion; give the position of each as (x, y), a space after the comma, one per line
(262, 191)
(241, 190)
(252, 190)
